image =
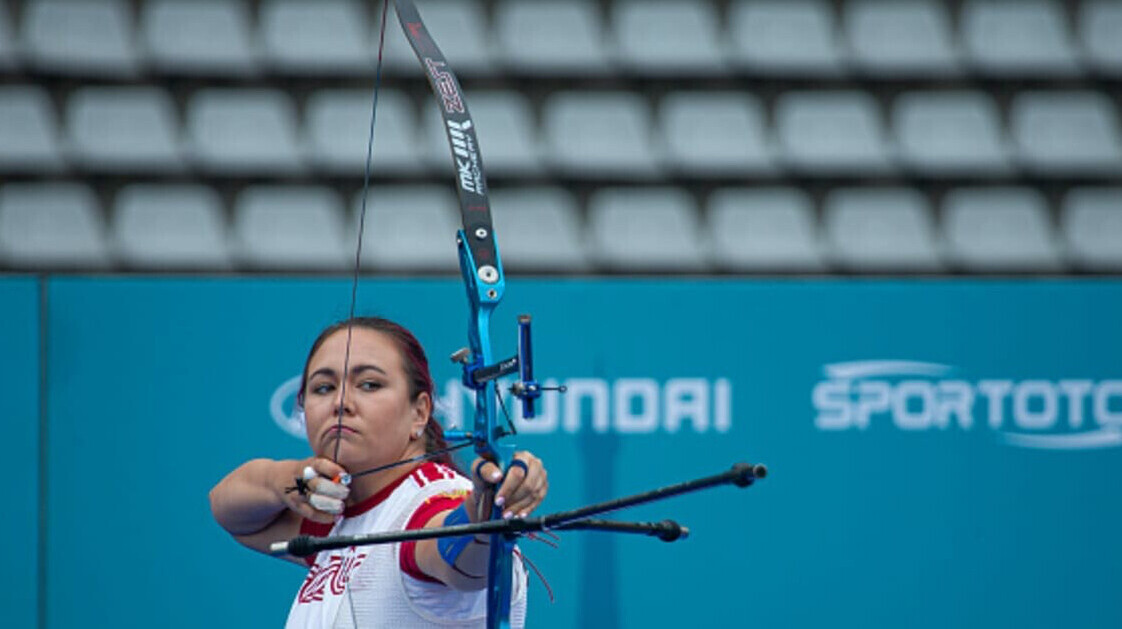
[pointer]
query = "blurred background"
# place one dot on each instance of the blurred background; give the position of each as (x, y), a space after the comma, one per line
(874, 244)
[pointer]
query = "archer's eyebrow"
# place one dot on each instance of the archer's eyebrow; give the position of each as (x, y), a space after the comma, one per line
(356, 370)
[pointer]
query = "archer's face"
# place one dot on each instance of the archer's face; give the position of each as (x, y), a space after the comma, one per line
(378, 418)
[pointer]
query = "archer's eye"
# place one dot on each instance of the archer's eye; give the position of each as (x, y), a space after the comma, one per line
(369, 385)
(323, 388)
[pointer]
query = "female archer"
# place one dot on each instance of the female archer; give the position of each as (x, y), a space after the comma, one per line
(378, 413)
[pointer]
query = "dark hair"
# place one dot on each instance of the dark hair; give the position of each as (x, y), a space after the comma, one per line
(414, 361)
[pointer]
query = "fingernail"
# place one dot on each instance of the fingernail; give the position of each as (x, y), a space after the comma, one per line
(524, 514)
(496, 475)
(500, 501)
(508, 515)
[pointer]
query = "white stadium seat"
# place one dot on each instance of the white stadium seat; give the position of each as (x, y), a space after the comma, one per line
(669, 37)
(290, 228)
(243, 131)
(1092, 228)
(881, 229)
(1066, 133)
(646, 230)
(46, 226)
(80, 37)
(832, 133)
(199, 36)
(29, 139)
(504, 124)
(337, 132)
(715, 133)
(555, 37)
(1100, 22)
(124, 129)
(999, 230)
(951, 134)
(327, 36)
(763, 230)
(600, 134)
(1024, 38)
(408, 228)
(901, 38)
(539, 229)
(173, 227)
(786, 37)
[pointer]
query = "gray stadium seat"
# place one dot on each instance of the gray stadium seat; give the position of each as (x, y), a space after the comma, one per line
(951, 134)
(199, 36)
(409, 228)
(715, 133)
(29, 140)
(1022, 38)
(901, 38)
(80, 37)
(327, 36)
(830, 133)
(504, 124)
(290, 227)
(1092, 228)
(556, 37)
(1100, 23)
(130, 129)
(51, 226)
(669, 37)
(461, 30)
(599, 134)
(881, 229)
(785, 37)
(1066, 133)
(173, 227)
(337, 132)
(8, 49)
(243, 131)
(764, 229)
(538, 230)
(646, 230)
(999, 230)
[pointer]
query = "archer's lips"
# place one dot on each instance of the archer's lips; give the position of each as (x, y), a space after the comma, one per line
(338, 429)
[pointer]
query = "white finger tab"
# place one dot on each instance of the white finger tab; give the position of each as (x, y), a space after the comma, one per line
(326, 504)
(333, 490)
(309, 473)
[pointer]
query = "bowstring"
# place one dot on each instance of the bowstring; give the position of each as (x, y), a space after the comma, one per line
(367, 171)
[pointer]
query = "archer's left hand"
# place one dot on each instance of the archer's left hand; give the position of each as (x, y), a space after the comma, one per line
(520, 492)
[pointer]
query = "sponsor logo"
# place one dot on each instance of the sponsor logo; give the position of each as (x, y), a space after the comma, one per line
(445, 86)
(467, 157)
(1062, 414)
(330, 576)
(623, 406)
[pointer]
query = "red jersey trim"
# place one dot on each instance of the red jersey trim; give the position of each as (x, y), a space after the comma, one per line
(421, 517)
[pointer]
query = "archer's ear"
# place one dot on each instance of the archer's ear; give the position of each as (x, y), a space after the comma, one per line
(422, 410)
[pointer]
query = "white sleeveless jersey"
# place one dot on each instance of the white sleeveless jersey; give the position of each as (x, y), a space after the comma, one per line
(366, 586)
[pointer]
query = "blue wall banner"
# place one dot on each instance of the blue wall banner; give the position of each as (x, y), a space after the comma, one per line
(19, 371)
(943, 452)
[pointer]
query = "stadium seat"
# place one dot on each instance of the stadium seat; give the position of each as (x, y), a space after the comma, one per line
(323, 37)
(408, 228)
(243, 132)
(1025, 39)
(504, 124)
(764, 230)
(172, 227)
(538, 229)
(901, 38)
(29, 141)
(999, 230)
(337, 132)
(669, 37)
(646, 230)
(1066, 133)
(1092, 228)
(881, 229)
(80, 37)
(785, 37)
(9, 57)
(290, 228)
(1100, 22)
(599, 134)
(832, 133)
(461, 29)
(198, 36)
(124, 129)
(955, 134)
(45, 226)
(715, 134)
(558, 37)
